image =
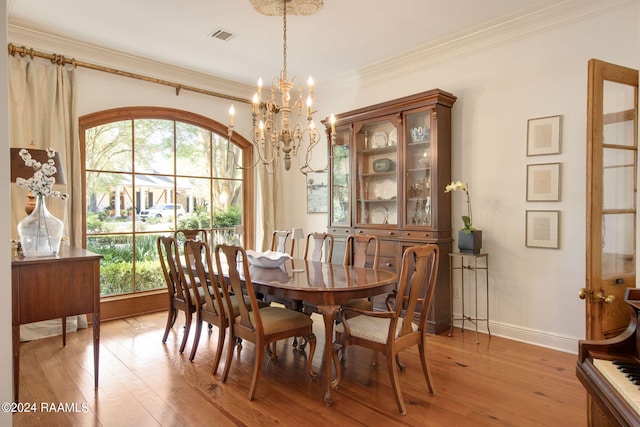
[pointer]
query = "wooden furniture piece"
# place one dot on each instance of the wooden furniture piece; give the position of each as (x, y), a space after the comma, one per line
(390, 332)
(280, 240)
(52, 287)
(259, 325)
(327, 286)
(319, 247)
(191, 234)
(209, 307)
(355, 254)
(614, 393)
(389, 167)
(180, 299)
(470, 262)
(357, 248)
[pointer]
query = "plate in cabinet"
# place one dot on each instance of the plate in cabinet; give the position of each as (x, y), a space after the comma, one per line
(379, 140)
(393, 137)
(392, 215)
(378, 215)
(385, 189)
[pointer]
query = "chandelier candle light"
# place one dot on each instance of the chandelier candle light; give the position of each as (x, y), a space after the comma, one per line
(40, 232)
(273, 135)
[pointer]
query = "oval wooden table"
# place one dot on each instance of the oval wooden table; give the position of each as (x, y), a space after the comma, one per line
(327, 286)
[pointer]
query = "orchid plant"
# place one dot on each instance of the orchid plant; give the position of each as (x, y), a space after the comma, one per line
(466, 219)
(41, 183)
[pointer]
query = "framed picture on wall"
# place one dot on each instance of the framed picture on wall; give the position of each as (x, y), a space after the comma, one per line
(542, 229)
(543, 182)
(317, 192)
(543, 135)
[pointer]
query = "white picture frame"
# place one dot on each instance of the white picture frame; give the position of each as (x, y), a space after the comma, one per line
(543, 182)
(542, 229)
(544, 135)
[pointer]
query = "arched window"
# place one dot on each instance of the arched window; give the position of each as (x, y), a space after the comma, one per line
(149, 171)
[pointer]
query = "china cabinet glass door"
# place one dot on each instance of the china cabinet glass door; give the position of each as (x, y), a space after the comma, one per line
(417, 161)
(376, 172)
(340, 180)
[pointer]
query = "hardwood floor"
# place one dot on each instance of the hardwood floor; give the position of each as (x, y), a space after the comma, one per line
(146, 383)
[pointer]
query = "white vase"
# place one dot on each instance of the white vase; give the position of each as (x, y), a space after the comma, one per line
(40, 232)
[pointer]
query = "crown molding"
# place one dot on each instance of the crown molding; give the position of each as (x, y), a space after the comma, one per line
(22, 35)
(554, 14)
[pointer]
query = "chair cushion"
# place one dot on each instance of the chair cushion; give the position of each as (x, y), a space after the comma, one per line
(247, 302)
(360, 303)
(278, 319)
(372, 328)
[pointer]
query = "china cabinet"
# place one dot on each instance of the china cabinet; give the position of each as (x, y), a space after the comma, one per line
(390, 163)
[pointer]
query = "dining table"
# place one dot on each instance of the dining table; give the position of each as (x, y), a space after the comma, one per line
(325, 285)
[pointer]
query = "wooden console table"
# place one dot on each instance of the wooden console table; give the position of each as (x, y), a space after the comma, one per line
(53, 287)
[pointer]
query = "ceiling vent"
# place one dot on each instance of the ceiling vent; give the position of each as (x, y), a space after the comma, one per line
(223, 35)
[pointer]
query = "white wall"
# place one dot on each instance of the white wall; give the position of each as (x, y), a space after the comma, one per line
(533, 291)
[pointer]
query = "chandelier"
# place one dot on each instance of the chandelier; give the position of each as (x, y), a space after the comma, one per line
(274, 135)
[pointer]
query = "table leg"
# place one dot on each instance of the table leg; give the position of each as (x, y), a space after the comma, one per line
(16, 362)
(96, 346)
(64, 331)
(328, 314)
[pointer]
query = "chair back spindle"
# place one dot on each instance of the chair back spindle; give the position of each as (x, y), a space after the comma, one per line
(356, 247)
(319, 247)
(280, 240)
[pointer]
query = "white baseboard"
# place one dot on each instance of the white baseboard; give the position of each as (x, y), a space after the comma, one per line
(526, 335)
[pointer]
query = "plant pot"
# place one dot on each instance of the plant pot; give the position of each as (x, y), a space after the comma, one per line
(470, 243)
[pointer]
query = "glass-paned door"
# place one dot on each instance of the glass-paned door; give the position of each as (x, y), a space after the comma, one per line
(611, 196)
(377, 172)
(417, 161)
(340, 179)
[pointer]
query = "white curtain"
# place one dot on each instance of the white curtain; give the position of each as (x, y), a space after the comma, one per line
(270, 210)
(42, 111)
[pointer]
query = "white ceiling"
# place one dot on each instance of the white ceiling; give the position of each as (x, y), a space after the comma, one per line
(345, 35)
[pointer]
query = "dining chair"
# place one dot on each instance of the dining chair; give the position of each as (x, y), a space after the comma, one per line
(209, 302)
(207, 299)
(280, 240)
(261, 326)
(180, 299)
(355, 254)
(184, 234)
(390, 332)
(319, 247)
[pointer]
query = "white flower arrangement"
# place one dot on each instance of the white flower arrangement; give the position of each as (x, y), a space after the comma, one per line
(41, 184)
(466, 219)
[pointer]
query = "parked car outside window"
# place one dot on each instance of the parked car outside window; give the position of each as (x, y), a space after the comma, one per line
(162, 210)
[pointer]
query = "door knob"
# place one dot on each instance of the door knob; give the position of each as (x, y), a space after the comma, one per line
(607, 300)
(582, 293)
